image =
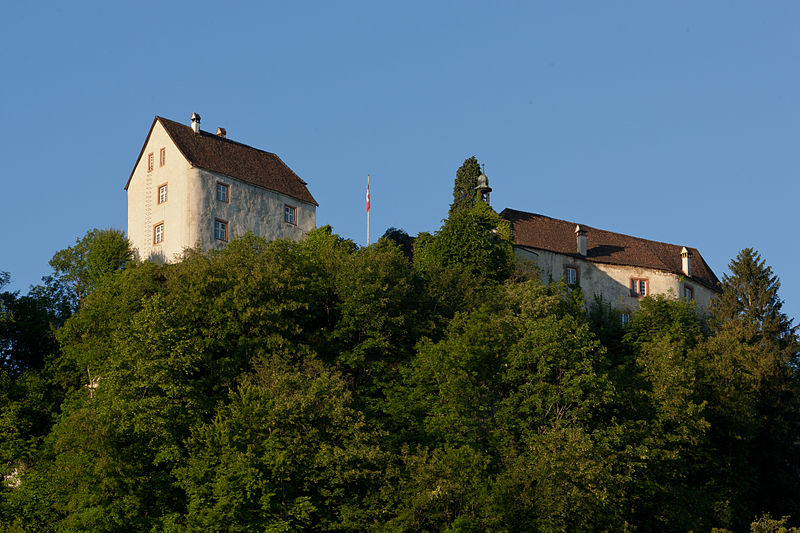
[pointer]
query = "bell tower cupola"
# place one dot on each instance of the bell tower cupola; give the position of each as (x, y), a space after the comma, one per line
(483, 187)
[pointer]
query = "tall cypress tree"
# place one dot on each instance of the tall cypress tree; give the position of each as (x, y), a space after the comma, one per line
(464, 193)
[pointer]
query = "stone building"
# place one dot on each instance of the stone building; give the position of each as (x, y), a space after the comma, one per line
(620, 268)
(190, 187)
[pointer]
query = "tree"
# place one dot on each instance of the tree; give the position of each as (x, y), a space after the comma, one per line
(750, 299)
(464, 193)
(401, 239)
(91, 259)
(751, 382)
(287, 452)
(474, 238)
(28, 323)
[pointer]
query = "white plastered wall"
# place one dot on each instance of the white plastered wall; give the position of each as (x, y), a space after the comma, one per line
(144, 211)
(250, 208)
(192, 207)
(612, 282)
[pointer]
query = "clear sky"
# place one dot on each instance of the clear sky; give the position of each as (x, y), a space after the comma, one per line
(672, 121)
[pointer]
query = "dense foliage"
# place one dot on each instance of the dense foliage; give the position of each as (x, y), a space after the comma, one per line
(464, 192)
(317, 385)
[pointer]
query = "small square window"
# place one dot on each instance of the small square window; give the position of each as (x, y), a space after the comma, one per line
(571, 275)
(638, 287)
(158, 233)
(150, 162)
(223, 192)
(162, 193)
(290, 214)
(624, 318)
(221, 230)
(162, 158)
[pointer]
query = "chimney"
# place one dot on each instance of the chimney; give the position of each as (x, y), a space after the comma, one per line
(221, 132)
(195, 123)
(580, 233)
(686, 262)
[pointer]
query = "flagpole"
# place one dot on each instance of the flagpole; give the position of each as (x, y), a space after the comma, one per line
(367, 209)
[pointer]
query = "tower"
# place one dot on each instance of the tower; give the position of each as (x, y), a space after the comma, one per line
(483, 187)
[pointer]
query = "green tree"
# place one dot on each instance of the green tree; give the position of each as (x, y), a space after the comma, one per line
(665, 416)
(754, 396)
(401, 239)
(464, 193)
(28, 323)
(95, 255)
(750, 300)
(474, 238)
(288, 452)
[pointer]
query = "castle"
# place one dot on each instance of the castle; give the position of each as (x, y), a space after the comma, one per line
(190, 187)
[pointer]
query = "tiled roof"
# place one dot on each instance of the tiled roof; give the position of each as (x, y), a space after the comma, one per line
(224, 156)
(545, 233)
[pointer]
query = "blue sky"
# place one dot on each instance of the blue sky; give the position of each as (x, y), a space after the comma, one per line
(677, 122)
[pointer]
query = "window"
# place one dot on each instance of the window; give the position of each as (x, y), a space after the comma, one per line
(150, 162)
(290, 214)
(624, 318)
(158, 233)
(638, 287)
(688, 292)
(221, 230)
(162, 193)
(223, 192)
(162, 158)
(571, 274)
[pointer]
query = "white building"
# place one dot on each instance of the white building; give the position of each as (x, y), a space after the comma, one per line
(190, 187)
(619, 268)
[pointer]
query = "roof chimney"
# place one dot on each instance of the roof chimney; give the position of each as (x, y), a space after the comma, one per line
(221, 132)
(686, 262)
(195, 123)
(580, 233)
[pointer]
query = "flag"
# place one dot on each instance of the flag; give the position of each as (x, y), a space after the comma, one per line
(367, 193)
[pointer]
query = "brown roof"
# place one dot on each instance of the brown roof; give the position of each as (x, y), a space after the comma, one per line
(545, 233)
(224, 156)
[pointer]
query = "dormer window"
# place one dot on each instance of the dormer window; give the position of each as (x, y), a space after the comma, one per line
(150, 162)
(162, 193)
(223, 192)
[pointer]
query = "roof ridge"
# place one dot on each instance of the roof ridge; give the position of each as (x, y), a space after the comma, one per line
(217, 137)
(597, 229)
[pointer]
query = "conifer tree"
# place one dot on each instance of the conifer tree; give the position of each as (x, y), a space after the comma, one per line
(464, 193)
(750, 297)
(753, 391)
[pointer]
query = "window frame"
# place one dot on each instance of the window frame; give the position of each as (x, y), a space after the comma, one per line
(635, 290)
(688, 292)
(150, 162)
(225, 225)
(156, 239)
(159, 201)
(575, 269)
(162, 157)
(227, 188)
(290, 209)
